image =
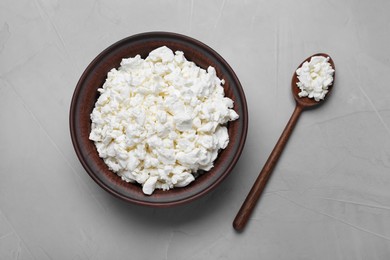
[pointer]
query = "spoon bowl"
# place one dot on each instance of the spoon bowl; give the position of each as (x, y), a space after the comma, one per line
(305, 101)
(259, 185)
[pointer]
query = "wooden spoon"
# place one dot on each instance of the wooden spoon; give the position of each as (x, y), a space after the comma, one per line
(258, 187)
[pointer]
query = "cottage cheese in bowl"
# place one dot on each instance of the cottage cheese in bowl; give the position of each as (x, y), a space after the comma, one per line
(160, 119)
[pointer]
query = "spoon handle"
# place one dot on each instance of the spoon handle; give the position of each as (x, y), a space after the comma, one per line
(258, 187)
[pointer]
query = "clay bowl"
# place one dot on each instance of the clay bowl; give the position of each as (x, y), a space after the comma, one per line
(85, 96)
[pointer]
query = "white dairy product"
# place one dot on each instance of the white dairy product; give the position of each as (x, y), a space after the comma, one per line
(315, 77)
(159, 120)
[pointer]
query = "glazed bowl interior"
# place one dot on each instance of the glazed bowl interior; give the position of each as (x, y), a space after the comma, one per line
(86, 94)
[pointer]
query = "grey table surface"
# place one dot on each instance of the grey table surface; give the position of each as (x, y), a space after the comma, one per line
(329, 196)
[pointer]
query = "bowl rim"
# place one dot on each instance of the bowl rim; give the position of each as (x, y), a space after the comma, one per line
(174, 36)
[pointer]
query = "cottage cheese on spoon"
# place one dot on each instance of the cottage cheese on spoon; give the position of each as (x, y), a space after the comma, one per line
(315, 77)
(159, 120)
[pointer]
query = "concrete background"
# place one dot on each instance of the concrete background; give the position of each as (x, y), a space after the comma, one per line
(329, 196)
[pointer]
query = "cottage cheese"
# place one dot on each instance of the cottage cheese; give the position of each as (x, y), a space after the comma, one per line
(315, 77)
(159, 120)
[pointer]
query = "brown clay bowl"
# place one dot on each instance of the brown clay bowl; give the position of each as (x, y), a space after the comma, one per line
(85, 96)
